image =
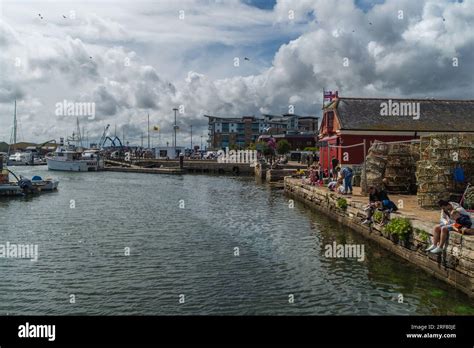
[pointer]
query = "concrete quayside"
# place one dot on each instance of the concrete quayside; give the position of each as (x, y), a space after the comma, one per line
(454, 266)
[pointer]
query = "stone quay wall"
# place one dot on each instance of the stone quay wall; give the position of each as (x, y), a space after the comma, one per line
(455, 265)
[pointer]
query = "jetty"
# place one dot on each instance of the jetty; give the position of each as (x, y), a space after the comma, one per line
(158, 166)
(454, 266)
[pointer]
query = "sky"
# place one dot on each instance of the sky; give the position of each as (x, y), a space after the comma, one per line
(220, 57)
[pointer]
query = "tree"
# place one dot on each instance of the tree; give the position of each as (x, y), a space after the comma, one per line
(283, 147)
(252, 146)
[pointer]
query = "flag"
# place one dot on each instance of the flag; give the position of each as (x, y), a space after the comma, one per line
(330, 95)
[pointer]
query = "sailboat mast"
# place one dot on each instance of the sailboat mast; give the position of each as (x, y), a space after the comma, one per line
(14, 126)
(78, 130)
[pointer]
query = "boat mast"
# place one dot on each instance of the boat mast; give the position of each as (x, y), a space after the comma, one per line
(78, 130)
(13, 136)
(14, 126)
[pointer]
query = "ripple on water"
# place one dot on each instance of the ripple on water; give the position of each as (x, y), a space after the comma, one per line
(191, 251)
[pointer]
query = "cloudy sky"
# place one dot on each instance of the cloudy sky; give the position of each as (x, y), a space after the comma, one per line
(136, 57)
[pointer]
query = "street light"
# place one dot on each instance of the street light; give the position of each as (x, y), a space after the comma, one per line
(175, 127)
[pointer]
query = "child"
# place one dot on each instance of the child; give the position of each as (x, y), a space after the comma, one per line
(460, 221)
(387, 207)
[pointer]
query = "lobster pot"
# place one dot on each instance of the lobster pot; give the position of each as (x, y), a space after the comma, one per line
(393, 162)
(440, 155)
(375, 164)
(400, 170)
(469, 198)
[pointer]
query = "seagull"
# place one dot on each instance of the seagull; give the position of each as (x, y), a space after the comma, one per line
(370, 23)
(444, 19)
(90, 57)
(64, 16)
(246, 58)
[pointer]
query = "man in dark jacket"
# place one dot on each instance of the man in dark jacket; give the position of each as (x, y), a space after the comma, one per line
(375, 195)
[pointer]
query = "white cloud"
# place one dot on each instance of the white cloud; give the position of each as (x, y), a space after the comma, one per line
(145, 59)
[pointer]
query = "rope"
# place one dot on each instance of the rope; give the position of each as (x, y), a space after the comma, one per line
(401, 141)
(345, 147)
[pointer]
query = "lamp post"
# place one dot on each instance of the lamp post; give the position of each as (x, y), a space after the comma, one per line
(175, 127)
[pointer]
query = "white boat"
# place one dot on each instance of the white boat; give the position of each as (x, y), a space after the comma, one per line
(20, 159)
(68, 158)
(48, 184)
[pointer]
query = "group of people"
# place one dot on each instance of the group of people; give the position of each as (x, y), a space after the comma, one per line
(343, 182)
(453, 218)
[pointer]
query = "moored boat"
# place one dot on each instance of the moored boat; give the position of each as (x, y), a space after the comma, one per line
(48, 184)
(69, 158)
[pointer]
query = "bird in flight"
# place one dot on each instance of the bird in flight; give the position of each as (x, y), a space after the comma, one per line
(246, 58)
(64, 16)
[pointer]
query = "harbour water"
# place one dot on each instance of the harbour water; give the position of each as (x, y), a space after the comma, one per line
(182, 233)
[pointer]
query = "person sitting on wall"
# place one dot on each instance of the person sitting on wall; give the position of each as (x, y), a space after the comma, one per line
(387, 207)
(374, 196)
(461, 221)
(346, 174)
(441, 231)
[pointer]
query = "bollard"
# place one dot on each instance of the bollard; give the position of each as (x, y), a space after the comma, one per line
(181, 160)
(1, 164)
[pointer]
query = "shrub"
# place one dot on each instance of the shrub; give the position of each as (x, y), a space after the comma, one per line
(341, 203)
(283, 147)
(424, 236)
(378, 216)
(399, 226)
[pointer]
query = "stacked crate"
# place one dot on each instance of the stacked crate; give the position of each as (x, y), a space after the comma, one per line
(440, 155)
(375, 163)
(400, 169)
(394, 162)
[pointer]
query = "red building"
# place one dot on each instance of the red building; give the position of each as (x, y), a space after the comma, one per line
(350, 121)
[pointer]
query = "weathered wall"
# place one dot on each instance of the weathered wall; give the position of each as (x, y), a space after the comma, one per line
(454, 266)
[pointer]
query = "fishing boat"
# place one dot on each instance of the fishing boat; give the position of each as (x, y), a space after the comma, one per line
(72, 159)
